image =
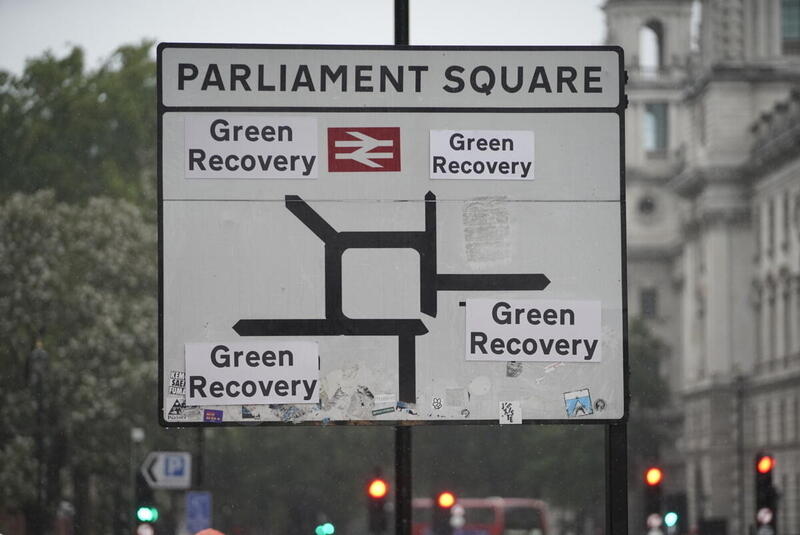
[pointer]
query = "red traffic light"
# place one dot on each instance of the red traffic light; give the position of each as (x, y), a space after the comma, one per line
(378, 488)
(765, 464)
(653, 476)
(446, 500)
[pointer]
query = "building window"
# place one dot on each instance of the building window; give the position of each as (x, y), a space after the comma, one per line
(757, 232)
(796, 501)
(758, 334)
(796, 420)
(790, 26)
(770, 227)
(767, 422)
(648, 303)
(655, 128)
(787, 322)
(773, 328)
(651, 48)
(786, 218)
(647, 206)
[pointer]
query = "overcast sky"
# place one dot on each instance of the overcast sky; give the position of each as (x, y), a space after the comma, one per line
(29, 27)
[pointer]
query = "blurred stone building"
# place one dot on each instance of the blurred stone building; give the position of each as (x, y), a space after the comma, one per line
(713, 200)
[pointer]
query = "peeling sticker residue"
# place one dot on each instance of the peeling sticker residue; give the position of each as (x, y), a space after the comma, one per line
(513, 368)
(361, 403)
(326, 403)
(381, 399)
(455, 397)
(406, 407)
(547, 369)
(510, 412)
(487, 231)
(288, 413)
(251, 412)
(350, 372)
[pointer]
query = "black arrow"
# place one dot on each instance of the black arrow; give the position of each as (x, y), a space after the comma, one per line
(500, 282)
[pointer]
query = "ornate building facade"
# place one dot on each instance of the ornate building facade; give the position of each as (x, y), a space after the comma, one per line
(713, 192)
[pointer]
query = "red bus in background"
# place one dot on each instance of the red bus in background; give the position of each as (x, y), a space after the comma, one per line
(486, 516)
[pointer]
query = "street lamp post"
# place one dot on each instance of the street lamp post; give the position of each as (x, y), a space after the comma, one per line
(38, 367)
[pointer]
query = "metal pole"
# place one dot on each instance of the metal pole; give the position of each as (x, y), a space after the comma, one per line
(198, 470)
(401, 22)
(402, 476)
(617, 478)
(739, 382)
(40, 456)
(37, 372)
(402, 434)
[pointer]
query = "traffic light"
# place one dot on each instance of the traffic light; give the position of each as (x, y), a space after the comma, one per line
(377, 490)
(675, 512)
(652, 492)
(766, 494)
(325, 529)
(442, 509)
(145, 510)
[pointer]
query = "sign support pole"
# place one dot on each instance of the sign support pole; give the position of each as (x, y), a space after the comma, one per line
(402, 476)
(617, 478)
(401, 22)
(402, 434)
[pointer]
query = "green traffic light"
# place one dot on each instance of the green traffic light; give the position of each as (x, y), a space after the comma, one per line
(325, 529)
(670, 519)
(147, 514)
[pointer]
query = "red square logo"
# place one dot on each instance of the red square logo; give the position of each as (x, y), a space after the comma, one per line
(360, 149)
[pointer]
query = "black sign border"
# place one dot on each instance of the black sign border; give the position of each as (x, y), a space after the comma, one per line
(622, 104)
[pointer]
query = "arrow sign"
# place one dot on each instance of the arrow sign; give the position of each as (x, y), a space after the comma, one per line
(168, 469)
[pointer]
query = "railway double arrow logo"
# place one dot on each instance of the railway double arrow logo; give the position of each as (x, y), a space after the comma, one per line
(363, 149)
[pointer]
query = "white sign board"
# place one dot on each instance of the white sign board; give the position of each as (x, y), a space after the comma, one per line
(168, 469)
(389, 235)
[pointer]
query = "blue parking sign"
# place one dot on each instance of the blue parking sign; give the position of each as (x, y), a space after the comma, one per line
(175, 465)
(198, 511)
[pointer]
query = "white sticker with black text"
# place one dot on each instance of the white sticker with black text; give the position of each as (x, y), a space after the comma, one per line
(252, 373)
(231, 145)
(482, 154)
(533, 330)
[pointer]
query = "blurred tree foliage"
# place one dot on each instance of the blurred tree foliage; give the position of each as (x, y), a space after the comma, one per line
(81, 133)
(81, 279)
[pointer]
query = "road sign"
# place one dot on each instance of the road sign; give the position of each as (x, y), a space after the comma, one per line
(168, 469)
(198, 511)
(378, 234)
